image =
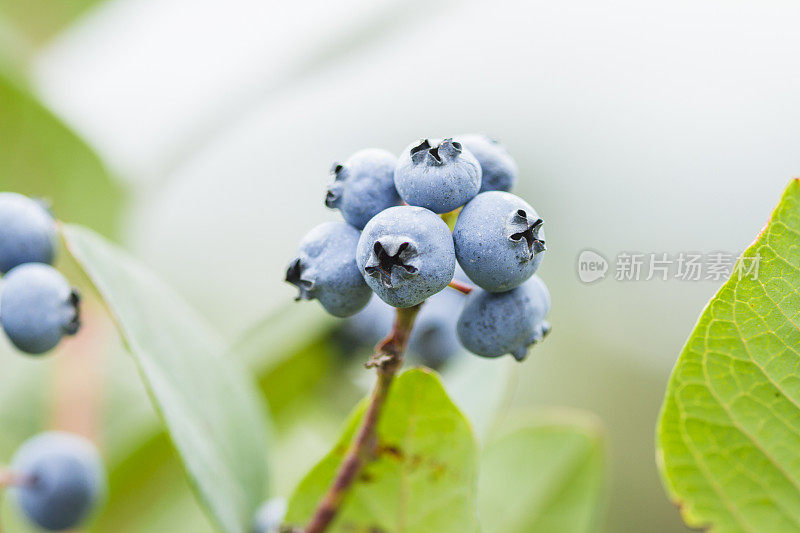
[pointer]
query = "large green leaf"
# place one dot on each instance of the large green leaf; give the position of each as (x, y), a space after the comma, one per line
(39, 156)
(210, 407)
(547, 476)
(729, 431)
(423, 478)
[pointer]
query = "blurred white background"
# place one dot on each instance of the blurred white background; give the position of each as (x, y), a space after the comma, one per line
(639, 126)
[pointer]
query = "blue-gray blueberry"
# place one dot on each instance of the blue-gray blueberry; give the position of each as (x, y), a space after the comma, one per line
(363, 186)
(406, 255)
(61, 480)
(499, 240)
(27, 232)
(498, 169)
(325, 269)
(438, 175)
(37, 307)
(496, 323)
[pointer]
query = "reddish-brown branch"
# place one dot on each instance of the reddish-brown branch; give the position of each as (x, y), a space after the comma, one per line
(387, 359)
(466, 288)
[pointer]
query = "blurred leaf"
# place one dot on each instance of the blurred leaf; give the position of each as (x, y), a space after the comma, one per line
(480, 387)
(14, 52)
(210, 408)
(730, 423)
(280, 335)
(41, 19)
(546, 476)
(40, 156)
(423, 478)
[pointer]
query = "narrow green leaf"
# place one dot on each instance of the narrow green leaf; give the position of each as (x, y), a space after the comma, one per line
(423, 478)
(547, 476)
(40, 156)
(729, 432)
(209, 406)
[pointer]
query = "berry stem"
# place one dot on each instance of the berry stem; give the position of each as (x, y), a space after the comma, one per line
(10, 478)
(387, 359)
(465, 288)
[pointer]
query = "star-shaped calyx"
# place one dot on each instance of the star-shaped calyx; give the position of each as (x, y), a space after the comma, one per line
(334, 193)
(430, 154)
(390, 261)
(74, 323)
(524, 229)
(294, 275)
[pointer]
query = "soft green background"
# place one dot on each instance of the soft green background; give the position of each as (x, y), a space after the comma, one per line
(637, 126)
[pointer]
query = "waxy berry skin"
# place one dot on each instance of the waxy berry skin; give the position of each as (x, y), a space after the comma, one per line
(61, 479)
(499, 241)
(27, 232)
(437, 175)
(325, 269)
(498, 169)
(406, 254)
(37, 307)
(494, 324)
(363, 186)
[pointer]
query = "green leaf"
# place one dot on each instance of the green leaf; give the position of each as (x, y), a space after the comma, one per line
(209, 406)
(41, 19)
(546, 476)
(423, 478)
(729, 432)
(40, 156)
(481, 388)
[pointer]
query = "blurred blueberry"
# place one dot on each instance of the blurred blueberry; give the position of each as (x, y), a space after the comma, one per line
(27, 232)
(63, 479)
(438, 175)
(499, 170)
(434, 339)
(37, 307)
(493, 324)
(406, 255)
(325, 269)
(499, 241)
(363, 186)
(269, 516)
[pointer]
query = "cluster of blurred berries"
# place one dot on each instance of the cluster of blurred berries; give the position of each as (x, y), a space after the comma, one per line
(56, 478)
(395, 242)
(37, 305)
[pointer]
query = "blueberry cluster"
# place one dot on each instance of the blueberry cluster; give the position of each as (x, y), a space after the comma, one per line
(396, 244)
(57, 479)
(37, 305)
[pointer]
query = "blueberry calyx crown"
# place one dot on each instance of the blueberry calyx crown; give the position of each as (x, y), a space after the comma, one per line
(72, 327)
(334, 192)
(426, 153)
(521, 352)
(528, 231)
(294, 275)
(390, 256)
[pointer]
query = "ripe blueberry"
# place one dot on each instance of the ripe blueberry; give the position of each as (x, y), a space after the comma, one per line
(62, 479)
(37, 307)
(363, 186)
(499, 170)
(438, 175)
(406, 254)
(499, 240)
(27, 232)
(492, 324)
(325, 269)
(269, 516)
